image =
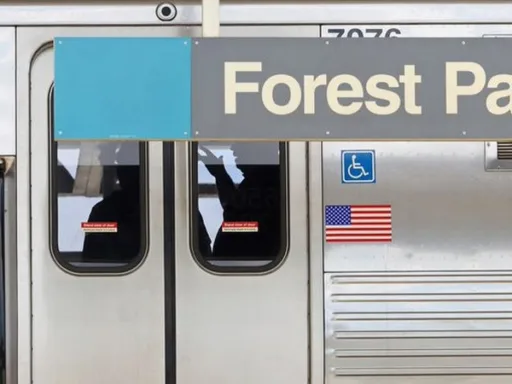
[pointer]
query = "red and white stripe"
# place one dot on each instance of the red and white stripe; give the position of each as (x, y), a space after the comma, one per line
(369, 223)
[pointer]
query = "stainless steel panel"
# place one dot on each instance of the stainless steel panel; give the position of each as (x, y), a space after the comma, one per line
(7, 92)
(418, 324)
(83, 329)
(432, 306)
(316, 265)
(426, 30)
(261, 322)
(448, 212)
(284, 12)
(128, 320)
(10, 271)
(23, 230)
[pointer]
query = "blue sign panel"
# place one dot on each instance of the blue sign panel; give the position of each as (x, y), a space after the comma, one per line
(358, 166)
(122, 89)
(227, 88)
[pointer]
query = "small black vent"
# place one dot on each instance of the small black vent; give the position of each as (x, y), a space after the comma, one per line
(504, 150)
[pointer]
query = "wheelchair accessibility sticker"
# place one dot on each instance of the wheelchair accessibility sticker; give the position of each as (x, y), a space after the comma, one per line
(358, 166)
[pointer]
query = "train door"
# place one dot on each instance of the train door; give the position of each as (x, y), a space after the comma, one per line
(242, 285)
(112, 284)
(91, 240)
(417, 251)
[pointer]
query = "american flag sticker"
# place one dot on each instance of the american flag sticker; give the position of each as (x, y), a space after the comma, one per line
(240, 226)
(358, 224)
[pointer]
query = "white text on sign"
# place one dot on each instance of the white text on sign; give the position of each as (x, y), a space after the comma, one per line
(379, 87)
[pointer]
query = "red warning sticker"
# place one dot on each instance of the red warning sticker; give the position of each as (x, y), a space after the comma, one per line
(99, 227)
(240, 226)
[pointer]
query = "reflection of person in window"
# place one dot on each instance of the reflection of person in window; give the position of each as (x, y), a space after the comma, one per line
(204, 238)
(121, 207)
(256, 199)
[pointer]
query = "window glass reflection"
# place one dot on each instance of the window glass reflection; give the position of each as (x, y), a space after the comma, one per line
(239, 198)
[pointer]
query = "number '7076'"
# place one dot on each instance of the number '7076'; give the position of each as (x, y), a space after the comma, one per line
(368, 32)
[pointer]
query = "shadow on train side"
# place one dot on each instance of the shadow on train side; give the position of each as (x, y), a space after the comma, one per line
(239, 218)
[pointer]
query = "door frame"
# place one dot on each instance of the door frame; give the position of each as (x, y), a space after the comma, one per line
(30, 42)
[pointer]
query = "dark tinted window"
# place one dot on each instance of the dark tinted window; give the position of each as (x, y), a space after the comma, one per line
(98, 195)
(239, 200)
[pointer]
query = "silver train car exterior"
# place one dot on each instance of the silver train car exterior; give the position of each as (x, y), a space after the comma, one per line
(429, 305)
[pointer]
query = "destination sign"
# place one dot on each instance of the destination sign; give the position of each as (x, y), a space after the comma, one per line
(285, 89)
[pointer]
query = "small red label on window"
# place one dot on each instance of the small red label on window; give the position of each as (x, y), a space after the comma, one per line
(240, 226)
(99, 227)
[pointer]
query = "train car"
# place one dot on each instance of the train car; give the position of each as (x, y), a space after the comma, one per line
(143, 262)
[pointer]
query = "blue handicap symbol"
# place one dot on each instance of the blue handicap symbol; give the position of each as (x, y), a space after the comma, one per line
(358, 166)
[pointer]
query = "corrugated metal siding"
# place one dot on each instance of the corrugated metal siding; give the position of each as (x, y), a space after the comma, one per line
(418, 324)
